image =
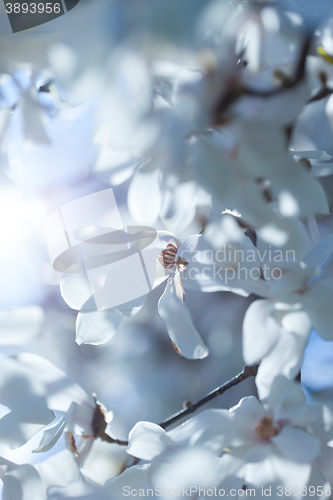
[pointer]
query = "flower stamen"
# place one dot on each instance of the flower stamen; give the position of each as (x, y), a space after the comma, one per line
(266, 429)
(167, 257)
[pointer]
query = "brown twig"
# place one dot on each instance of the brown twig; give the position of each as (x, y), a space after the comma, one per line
(248, 371)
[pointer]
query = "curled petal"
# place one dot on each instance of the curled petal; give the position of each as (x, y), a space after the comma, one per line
(179, 324)
(53, 432)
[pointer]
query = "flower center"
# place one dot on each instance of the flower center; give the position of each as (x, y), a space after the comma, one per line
(167, 257)
(266, 429)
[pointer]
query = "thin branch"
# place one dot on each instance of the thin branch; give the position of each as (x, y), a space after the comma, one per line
(248, 371)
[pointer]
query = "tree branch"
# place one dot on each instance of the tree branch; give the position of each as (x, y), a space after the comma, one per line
(248, 371)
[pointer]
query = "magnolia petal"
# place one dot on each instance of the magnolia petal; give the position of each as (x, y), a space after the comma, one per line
(21, 482)
(318, 301)
(116, 166)
(180, 204)
(145, 196)
(297, 322)
(204, 430)
(295, 204)
(193, 466)
(25, 395)
(217, 429)
(268, 469)
(179, 324)
(147, 441)
(53, 432)
(303, 196)
(60, 390)
(260, 331)
(18, 326)
(15, 432)
(136, 476)
(321, 169)
(59, 471)
(22, 392)
(104, 461)
(285, 393)
(198, 278)
(245, 417)
(285, 358)
(75, 290)
(96, 327)
(297, 445)
(216, 260)
(325, 463)
(132, 307)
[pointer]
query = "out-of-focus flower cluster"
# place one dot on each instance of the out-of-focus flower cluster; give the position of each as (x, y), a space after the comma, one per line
(213, 124)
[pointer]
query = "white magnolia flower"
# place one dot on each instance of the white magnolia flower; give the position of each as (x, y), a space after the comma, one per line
(259, 446)
(80, 417)
(98, 327)
(196, 105)
(231, 255)
(296, 293)
(276, 330)
(79, 413)
(95, 326)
